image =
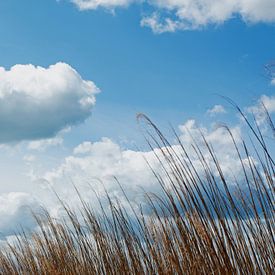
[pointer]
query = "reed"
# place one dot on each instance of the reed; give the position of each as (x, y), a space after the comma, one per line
(199, 225)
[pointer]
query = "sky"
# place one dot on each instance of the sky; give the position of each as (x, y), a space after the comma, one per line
(74, 74)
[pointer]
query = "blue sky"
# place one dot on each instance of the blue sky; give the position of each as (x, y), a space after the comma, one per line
(172, 72)
(134, 68)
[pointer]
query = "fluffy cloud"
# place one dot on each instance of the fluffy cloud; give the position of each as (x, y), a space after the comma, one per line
(96, 164)
(221, 142)
(93, 165)
(265, 103)
(15, 209)
(37, 102)
(217, 109)
(172, 15)
(269, 103)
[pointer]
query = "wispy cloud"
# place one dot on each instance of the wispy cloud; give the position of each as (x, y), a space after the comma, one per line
(217, 109)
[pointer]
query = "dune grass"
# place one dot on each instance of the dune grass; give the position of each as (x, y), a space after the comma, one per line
(199, 225)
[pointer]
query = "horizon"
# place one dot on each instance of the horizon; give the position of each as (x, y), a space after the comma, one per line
(74, 75)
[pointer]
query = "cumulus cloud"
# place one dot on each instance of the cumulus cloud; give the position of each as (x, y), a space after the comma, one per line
(85, 147)
(265, 103)
(95, 164)
(37, 102)
(220, 140)
(268, 102)
(217, 109)
(92, 167)
(172, 15)
(15, 211)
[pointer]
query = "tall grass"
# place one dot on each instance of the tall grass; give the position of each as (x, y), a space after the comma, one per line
(199, 225)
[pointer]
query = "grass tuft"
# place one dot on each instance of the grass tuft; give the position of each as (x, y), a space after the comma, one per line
(199, 225)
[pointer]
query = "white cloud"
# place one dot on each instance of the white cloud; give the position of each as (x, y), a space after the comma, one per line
(221, 142)
(265, 102)
(99, 162)
(29, 158)
(37, 102)
(93, 166)
(42, 144)
(217, 109)
(172, 15)
(159, 25)
(102, 161)
(83, 148)
(94, 4)
(269, 103)
(15, 211)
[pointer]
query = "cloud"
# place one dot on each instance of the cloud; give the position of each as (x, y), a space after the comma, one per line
(173, 15)
(92, 167)
(159, 25)
(265, 103)
(220, 140)
(268, 102)
(85, 147)
(94, 4)
(217, 109)
(29, 158)
(37, 103)
(95, 164)
(15, 211)
(42, 144)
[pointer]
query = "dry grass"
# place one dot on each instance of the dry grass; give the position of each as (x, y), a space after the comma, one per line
(199, 225)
